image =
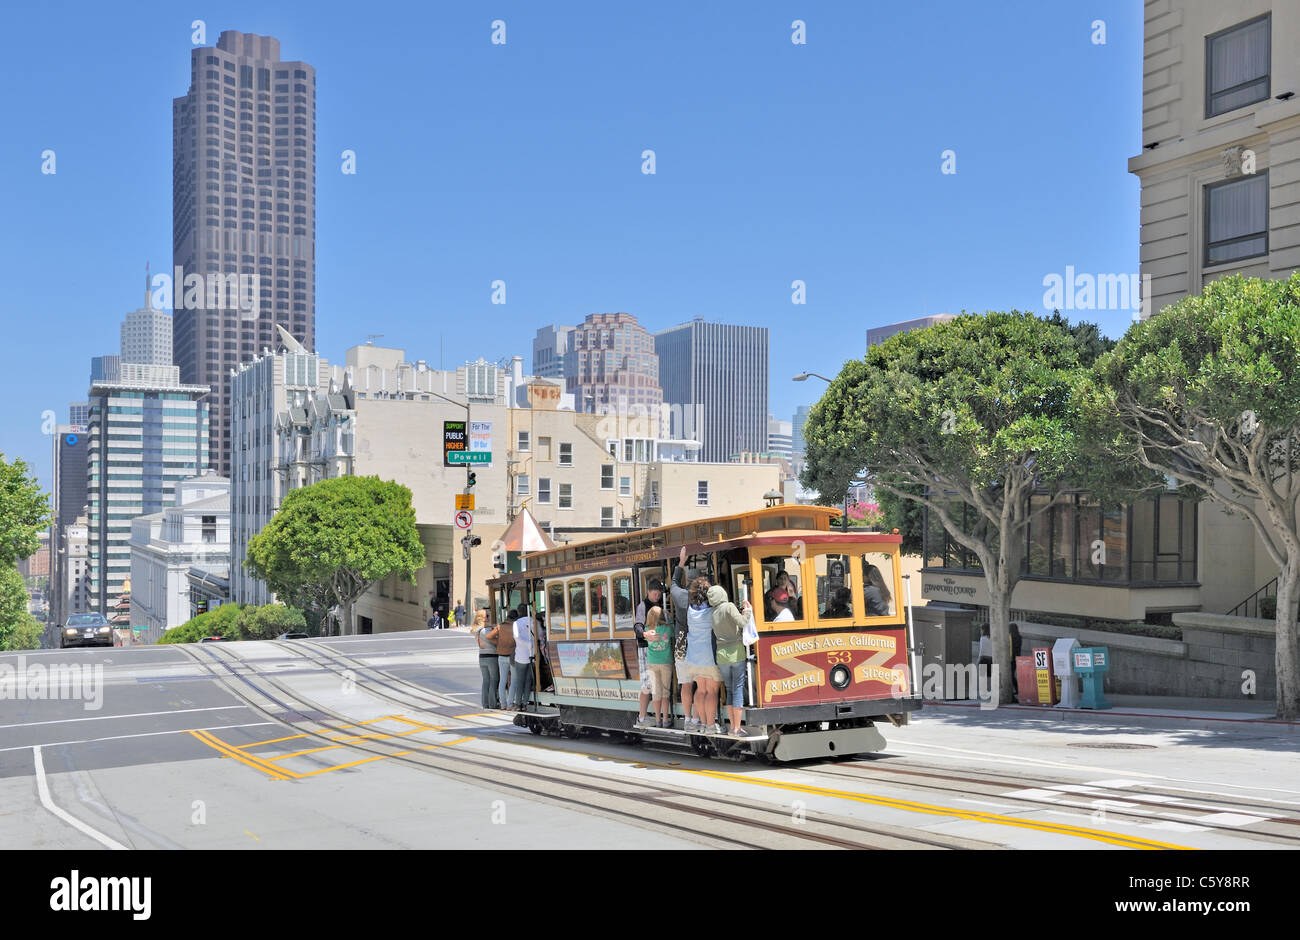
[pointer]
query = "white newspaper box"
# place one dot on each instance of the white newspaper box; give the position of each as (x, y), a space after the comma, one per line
(1063, 665)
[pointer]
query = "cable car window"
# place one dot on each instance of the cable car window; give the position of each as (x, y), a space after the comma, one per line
(878, 585)
(577, 609)
(598, 610)
(771, 523)
(555, 619)
(782, 590)
(834, 587)
(623, 606)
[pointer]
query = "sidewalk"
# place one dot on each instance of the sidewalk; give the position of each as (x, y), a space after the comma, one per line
(1232, 711)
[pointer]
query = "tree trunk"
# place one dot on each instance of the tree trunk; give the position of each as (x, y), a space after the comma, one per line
(1288, 649)
(1000, 588)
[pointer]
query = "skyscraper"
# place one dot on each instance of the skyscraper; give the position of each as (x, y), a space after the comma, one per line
(69, 502)
(549, 347)
(243, 206)
(719, 372)
(611, 362)
(147, 333)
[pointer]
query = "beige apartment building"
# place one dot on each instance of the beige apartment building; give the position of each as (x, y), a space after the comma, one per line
(580, 475)
(1220, 194)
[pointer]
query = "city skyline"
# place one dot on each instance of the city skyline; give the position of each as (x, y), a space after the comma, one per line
(722, 230)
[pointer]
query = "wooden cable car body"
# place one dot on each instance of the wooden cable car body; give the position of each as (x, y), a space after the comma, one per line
(817, 684)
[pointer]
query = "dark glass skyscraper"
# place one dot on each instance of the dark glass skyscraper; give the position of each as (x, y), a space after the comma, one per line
(243, 206)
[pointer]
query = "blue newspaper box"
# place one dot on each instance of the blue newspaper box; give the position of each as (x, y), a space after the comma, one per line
(1091, 663)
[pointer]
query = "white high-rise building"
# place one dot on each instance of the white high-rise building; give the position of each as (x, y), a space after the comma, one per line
(147, 432)
(780, 437)
(147, 333)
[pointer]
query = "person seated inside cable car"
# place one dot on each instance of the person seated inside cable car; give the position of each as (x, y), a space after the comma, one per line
(840, 606)
(781, 602)
(784, 582)
(875, 594)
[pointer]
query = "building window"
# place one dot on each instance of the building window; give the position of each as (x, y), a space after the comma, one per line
(702, 493)
(566, 495)
(543, 489)
(624, 486)
(1237, 66)
(654, 494)
(209, 529)
(607, 476)
(544, 448)
(522, 445)
(1236, 219)
(607, 517)
(521, 485)
(566, 455)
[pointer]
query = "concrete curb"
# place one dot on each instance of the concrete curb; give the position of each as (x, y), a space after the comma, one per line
(1111, 712)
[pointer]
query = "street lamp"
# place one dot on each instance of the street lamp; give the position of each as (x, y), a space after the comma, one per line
(469, 541)
(804, 377)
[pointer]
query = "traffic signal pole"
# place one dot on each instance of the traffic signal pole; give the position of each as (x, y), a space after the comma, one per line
(467, 543)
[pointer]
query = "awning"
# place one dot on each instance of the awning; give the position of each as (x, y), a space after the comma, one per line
(525, 535)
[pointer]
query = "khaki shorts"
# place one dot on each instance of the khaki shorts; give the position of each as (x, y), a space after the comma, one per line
(691, 673)
(680, 666)
(661, 682)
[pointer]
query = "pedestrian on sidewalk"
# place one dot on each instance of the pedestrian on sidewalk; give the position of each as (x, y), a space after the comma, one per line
(985, 655)
(460, 615)
(1015, 654)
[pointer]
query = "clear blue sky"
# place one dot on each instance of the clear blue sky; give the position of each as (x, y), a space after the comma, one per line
(522, 162)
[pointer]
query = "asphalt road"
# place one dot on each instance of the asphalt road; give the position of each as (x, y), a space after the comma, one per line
(378, 742)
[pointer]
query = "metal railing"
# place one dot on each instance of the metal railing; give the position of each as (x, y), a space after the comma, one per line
(1250, 606)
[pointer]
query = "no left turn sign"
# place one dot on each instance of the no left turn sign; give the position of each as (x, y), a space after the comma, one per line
(464, 519)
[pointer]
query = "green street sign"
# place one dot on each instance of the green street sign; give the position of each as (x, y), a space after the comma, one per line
(461, 457)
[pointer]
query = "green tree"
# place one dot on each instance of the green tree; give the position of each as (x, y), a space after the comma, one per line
(224, 621)
(1208, 392)
(16, 624)
(906, 515)
(24, 511)
(331, 541)
(977, 410)
(270, 620)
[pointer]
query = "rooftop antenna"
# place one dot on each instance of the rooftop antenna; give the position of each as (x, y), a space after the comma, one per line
(371, 337)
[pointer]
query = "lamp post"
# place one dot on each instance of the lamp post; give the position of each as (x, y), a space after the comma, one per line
(467, 543)
(804, 377)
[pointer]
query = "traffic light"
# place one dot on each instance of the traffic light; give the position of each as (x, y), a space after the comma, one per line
(470, 477)
(475, 541)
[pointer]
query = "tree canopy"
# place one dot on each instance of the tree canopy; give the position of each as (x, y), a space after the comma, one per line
(329, 542)
(977, 410)
(1208, 392)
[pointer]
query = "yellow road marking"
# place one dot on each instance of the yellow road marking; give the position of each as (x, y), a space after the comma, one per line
(930, 809)
(475, 715)
(229, 750)
(253, 837)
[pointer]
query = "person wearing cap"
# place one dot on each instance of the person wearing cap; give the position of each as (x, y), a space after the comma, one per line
(781, 606)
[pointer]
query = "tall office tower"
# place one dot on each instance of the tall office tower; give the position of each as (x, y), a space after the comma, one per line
(243, 207)
(69, 502)
(147, 333)
(79, 414)
(718, 372)
(105, 369)
(798, 449)
(145, 435)
(611, 362)
(549, 346)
